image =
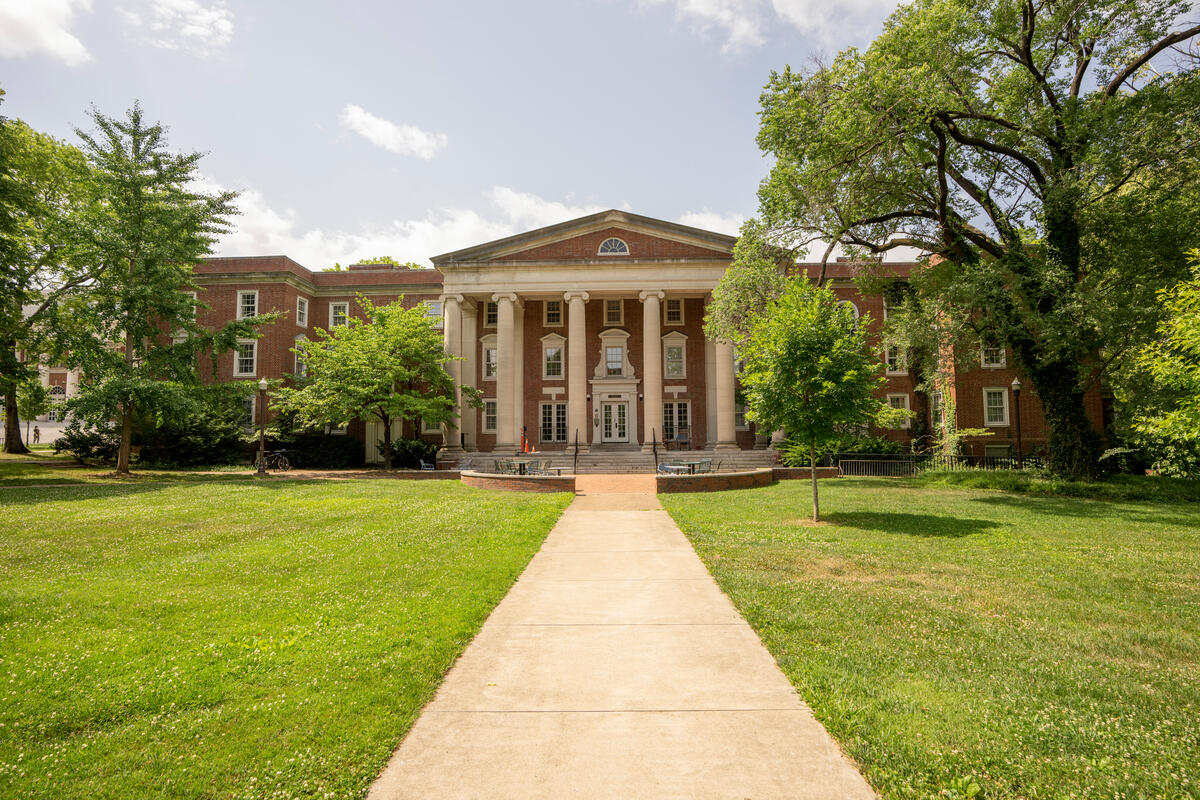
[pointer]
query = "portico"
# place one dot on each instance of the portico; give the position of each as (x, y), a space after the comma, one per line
(589, 334)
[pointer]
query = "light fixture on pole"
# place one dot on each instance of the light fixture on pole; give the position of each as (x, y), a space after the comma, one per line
(262, 434)
(1016, 388)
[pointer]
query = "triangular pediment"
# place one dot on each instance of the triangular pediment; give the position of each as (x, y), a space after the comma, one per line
(580, 240)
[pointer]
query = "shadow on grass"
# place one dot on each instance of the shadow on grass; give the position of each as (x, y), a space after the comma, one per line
(13, 494)
(1094, 507)
(912, 524)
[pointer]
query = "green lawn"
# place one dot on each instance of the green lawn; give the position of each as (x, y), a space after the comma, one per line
(237, 638)
(1041, 647)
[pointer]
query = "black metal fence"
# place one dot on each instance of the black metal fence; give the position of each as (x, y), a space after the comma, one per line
(895, 465)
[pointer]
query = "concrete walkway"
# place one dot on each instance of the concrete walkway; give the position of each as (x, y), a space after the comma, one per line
(615, 668)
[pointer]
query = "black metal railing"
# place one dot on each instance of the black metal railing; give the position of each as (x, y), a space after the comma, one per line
(899, 464)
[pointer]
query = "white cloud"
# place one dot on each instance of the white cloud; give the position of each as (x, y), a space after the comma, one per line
(730, 224)
(264, 230)
(744, 23)
(32, 27)
(402, 139)
(186, 25)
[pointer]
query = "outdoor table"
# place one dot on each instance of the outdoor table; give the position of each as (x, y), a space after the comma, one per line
(692, 466)
(521, 464)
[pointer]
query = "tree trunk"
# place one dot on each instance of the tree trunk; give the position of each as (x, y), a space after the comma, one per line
(1074, 445)
(812, 471)
(124, 452)
(12, 422)
(387, 444)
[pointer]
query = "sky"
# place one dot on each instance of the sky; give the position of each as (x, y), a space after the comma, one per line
(361, 128)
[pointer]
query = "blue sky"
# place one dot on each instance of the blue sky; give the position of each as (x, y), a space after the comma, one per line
(359, 128)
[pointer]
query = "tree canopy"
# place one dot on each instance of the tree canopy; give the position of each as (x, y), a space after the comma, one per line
(389, 367)
(1046, 153)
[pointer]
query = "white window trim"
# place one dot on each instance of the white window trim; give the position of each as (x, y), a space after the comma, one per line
(554, 340)
(621, 307)
(302, 312)
(196, 300)
(907, 407)
(1003, 393)
(681, 319)
(429, 430)
(242, 293)
(488, 343)
(608, 239)
(985, 364)
(333, 306)
(562, 313)
(903, 370)
(237, 358)
(253, 412)
(554, 421)
(487, 308)
(745, 426)
(853, 308)
(436, 311)
(674, 339)
(484, 414)
(674, 404)
(299, 368)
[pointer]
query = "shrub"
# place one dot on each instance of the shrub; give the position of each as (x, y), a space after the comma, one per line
(408, 453)
(791, 454)
(318, 450)
(85, 442)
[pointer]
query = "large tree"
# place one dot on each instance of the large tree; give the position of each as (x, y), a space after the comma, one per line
(1046, 153)
(810, 371)
(148, 230)
(44, 187)
(390, 366)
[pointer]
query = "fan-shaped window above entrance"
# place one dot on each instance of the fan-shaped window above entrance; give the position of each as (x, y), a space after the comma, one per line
(613, 246)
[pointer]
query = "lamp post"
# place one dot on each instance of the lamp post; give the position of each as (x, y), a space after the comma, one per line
(262, 433)
(1016, 388)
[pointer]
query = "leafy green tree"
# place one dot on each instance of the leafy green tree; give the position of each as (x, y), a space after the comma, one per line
(33, 400)
(1046, 153)
(44, 186)
(390, 366)
(391, 261)
(809, 370)
(148, 230)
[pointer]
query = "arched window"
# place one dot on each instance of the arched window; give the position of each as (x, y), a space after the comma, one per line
(58, 395)
(853, 308)
(613, 246)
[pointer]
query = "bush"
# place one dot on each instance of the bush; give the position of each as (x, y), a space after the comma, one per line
(795, 454)
(408, 453)
(318, 450)
(89, 443)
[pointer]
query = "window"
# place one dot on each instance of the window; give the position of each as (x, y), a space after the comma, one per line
(58, 396)
(552, 362)
(302, 312)
(191, 314)
(997, 451)
(554, 422)
(895, 362)
(900, 401)
(614, 312)
(552, 313)
(674, 312)
(995, 407)
(245, 358)
(614, 360)
(490, 362)
(676, 417)
(429, 428)
(673, 361)
(991, 357)
(853, 308)
(433, 310)
(739, 417)
(247, 305)
(339, 314)
(301, 368)
(937, 410)
(613, 246)
(248, 411)
(491, 314)
(489, 416)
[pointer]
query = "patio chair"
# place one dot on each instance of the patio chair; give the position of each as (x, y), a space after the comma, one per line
(425, 465)
(704, 466)
(683, 438)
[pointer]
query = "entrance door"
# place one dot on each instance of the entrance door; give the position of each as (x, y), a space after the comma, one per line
(616, 418)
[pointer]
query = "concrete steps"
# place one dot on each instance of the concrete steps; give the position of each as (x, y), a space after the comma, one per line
(632, 462)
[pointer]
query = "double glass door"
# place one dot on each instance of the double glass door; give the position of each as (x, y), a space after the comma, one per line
(614, 422)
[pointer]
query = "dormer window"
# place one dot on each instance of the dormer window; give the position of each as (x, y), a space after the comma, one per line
(613, 246)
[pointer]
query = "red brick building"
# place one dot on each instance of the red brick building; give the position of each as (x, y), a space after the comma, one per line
(590, 330)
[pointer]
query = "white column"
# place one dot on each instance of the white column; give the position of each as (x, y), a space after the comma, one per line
(577, 379)
(505, 440)
(652, 367)
(518, 370)
(710, 393)
(726, 432)
(470, 344)
(452, 336)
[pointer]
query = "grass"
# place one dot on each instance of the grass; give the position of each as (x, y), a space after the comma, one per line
(237, 638)
(1034, 646)
(1135, 488)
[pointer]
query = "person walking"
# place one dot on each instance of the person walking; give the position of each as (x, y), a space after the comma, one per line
(37, 434)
